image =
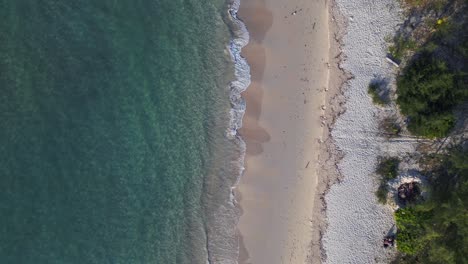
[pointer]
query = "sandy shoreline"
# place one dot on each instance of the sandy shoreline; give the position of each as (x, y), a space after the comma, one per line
(303, 56)
(308, 193)
(285, 130)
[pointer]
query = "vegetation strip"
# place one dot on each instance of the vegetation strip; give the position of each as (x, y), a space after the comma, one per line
(432, 50)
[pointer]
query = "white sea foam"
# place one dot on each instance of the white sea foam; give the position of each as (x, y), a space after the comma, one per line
(242, 70)
(223, 245)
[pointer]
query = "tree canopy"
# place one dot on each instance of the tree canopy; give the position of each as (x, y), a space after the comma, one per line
(427, 93)
(436, 231)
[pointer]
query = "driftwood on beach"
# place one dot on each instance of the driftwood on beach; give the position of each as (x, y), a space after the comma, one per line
(393, 62)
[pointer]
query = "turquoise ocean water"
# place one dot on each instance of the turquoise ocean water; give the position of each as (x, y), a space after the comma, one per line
(116, 142)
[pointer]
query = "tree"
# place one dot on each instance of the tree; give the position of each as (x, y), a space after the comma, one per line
(427, 93)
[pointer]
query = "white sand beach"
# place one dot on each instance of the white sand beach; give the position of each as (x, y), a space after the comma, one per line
(356, 222)
(311, 64)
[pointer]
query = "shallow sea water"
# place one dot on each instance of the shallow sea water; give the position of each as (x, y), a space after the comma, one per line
(113, 120)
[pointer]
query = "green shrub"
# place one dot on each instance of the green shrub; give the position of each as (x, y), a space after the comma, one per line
(374, 90)
(443, 30)
(436, 231)
(412, 236)
(388, 168)
(382, 193)
(400, 47)
(427, 93)
(430, 46)
(462, 49)
(437, 125)
(438, 5)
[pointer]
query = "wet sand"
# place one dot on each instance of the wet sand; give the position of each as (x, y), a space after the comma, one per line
(289, 59)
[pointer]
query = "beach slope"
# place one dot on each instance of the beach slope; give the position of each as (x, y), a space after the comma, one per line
(288, 54)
